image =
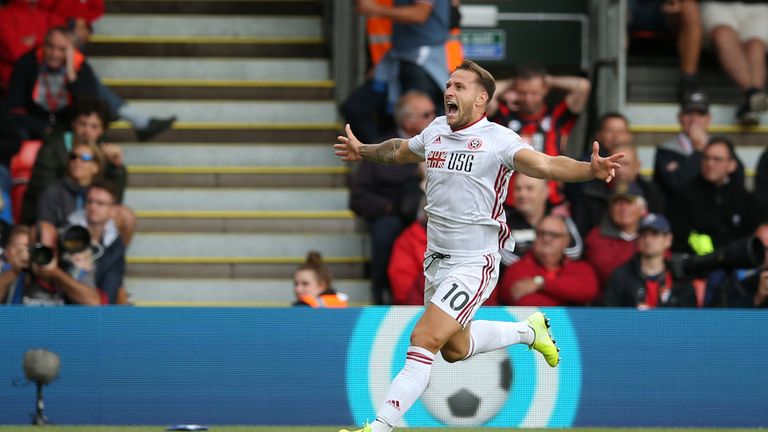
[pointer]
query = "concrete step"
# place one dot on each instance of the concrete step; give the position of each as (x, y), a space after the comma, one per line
(218, 90)
(664, 115)
(231, 26)
(230, 292)
(218, 7)
(158, 46)
(231, 155)
(239, 112)
(219, 199)
(185, 132)
(240, 69)
(244, 247)
(250, 222)
(235, 268)
(237, 177)
(658, 83)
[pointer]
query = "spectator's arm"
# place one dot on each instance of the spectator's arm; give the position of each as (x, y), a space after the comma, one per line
(673, 174)
(576, 283)
(7, 278)
(118, 176)
(417, 13)
(576, 88)
(85, 82)
(76, 291)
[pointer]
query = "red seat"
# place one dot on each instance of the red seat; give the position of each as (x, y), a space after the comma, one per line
(21, 171)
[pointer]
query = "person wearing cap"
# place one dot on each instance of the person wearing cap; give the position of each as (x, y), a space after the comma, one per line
(645, 281)
(589, 210)
(678, 161)
(712, 210)
(612, 242)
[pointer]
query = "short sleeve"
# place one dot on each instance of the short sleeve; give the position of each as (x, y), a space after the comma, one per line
(509, 143)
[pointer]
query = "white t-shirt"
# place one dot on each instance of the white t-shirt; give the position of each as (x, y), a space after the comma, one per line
(468, 173)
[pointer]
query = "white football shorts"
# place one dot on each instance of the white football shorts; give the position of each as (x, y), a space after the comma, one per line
(459, 286)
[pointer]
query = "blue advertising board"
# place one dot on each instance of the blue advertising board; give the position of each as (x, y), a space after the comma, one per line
(620, 368)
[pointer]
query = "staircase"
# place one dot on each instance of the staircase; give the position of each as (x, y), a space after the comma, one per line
(652, 77)
(231, 199)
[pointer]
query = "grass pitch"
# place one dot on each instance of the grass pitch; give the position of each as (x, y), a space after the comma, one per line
(336, 428)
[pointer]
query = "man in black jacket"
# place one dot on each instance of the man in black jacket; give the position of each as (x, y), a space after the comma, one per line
(44, 83)
(713, 209)
(645, 281)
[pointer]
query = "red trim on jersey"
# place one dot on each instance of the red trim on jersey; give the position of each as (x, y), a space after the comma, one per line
(487, 273)
(504, 234)
(497, 189)
(469, 125)
(483, 287)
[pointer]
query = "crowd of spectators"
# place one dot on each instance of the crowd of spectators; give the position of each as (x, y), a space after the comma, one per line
(620, 243)
(56, 169)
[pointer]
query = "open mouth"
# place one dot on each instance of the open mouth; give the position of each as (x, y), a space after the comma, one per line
(451, 107)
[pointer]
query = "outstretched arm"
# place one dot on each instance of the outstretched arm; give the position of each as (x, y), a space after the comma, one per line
(562, 168)
(390, 152)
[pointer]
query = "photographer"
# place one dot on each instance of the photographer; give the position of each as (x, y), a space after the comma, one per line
(646, 281)
(106, 268)
(45, 283)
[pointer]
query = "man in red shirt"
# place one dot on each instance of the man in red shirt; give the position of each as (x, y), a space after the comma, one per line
(545, 276)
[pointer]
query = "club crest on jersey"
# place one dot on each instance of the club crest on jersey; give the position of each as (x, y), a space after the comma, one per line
(474, 143)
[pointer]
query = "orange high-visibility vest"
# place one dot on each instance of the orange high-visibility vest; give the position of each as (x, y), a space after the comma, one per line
(454, 53)
(325, 300)
(379, 31)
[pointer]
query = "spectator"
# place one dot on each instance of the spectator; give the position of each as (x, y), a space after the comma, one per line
(712, 210)
(613, 241)
(683, 17)
(416, 61)
(761, 185)
(752, 289)
(46, 284)
(61, 199)
(406, 264)
(9, 146)
(388, 197)
(678, 161)
(545, 276)
(739, 33)
(104, 264)
(544, 127)
(589, 211)
(312, 285)
(645, 281)
(44, 83)
(531, 207)
(88, 126)
(15, 263)
(24, 26)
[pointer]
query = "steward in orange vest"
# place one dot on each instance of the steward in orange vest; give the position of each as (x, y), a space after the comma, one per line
(327, 299)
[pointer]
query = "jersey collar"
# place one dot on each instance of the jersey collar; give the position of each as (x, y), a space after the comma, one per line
(469, 125)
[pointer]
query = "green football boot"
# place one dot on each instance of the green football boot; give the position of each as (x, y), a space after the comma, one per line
(543, 341)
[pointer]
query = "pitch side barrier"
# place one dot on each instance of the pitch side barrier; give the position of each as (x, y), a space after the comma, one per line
(305, 366)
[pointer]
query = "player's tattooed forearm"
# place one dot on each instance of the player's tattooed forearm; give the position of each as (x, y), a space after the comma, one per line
(383, 153)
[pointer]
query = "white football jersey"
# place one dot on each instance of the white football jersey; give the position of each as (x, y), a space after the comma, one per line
(468, 173)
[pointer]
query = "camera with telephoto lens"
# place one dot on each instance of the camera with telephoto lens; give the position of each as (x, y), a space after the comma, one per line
(72, 239)
(744, 253)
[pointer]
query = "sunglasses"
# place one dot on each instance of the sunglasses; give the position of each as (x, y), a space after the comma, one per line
(85, 157)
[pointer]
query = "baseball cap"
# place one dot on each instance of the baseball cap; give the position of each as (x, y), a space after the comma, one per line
(656, 222)
(627, 191)
(695, 101)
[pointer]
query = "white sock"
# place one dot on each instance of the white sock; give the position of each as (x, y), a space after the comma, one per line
(485, 336)
(405, 389)
(138, 119)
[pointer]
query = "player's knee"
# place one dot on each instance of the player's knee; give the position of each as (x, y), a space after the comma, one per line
(452, 355)
(426, 340)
